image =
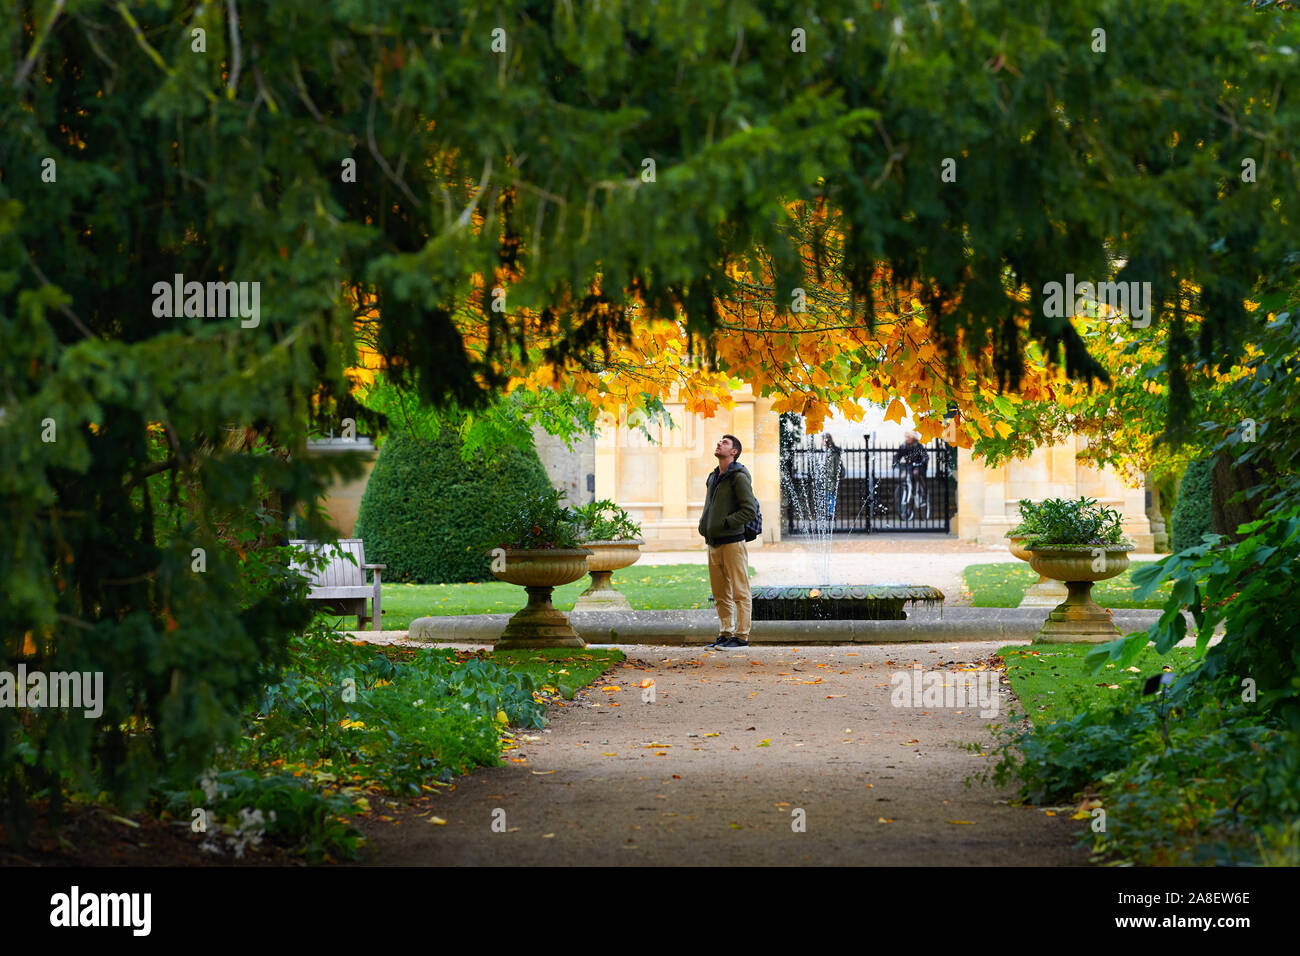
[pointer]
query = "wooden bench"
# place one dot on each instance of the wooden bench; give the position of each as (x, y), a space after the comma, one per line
(341, 585)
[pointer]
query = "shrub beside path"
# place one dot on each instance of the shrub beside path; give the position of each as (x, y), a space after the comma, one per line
(713, 770)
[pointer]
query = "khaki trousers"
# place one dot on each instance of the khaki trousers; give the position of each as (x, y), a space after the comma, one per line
(729, 578)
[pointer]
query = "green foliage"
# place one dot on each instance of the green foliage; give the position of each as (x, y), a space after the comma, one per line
(537, 521)
(606, 521)
(426, 511)
(1192, 515)
(226, 167)
(505, 423)
(1180, 785)
(1029, 523)
(354, 712)
(1056, 763)
(1071, 522)
(1210, 796)
(243, 805)
(1248, 587)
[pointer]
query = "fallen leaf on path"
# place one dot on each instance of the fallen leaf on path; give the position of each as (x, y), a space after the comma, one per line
(764, 743)
(547, 836)
(611, 688)
(542, 773)
(780, 804)
(438, 820)
(609, 755)
(963, 822)
(833, 696)
(884, 819)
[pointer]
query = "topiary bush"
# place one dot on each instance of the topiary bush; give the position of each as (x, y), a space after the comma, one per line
(426, 511)
(1193, 515)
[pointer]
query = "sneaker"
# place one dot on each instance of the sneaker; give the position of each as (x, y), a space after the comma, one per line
(734, 642)
(720, 640)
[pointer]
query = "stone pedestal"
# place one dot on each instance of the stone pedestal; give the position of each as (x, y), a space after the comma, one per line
(601, 596)
(1044, 593)
(539, 572)
(607, 557)
(1079, 619)
(539, 624)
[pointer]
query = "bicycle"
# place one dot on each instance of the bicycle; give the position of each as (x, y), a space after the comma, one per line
(911, 500)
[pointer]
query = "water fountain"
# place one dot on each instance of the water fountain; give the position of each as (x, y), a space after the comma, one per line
(812, 491)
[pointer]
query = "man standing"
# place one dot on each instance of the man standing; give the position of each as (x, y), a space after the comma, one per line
(729, 504)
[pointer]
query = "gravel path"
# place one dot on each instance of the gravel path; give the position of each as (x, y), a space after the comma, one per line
(715, 770)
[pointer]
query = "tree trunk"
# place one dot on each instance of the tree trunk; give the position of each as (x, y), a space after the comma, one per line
(1227, 510)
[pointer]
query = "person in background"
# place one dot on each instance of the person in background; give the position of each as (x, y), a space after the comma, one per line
(833, 472)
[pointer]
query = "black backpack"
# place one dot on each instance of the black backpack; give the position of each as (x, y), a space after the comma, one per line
(754, 527)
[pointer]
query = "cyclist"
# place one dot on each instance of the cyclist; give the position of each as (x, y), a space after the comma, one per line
(912, 460)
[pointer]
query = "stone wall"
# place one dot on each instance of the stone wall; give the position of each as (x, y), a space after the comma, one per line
(989, 498)
(662, 484)
(572, 472)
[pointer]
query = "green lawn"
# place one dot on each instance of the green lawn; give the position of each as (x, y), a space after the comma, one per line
(651, 588)
(1004, 584)
(563, 668)
(1053, 683)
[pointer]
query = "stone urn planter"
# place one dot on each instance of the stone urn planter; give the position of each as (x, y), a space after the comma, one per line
(606, 558)
(539, 572)
(1079, 619)
(1043, 593)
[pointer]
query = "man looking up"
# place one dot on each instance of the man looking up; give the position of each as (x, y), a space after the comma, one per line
(729, 504)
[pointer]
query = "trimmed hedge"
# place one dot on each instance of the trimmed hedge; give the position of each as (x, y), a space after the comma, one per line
(424, 511)
(1193, 515)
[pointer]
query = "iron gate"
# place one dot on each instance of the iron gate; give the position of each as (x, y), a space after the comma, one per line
(876, 491)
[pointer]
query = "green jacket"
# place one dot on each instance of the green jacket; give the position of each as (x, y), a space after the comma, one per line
(729, 504)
